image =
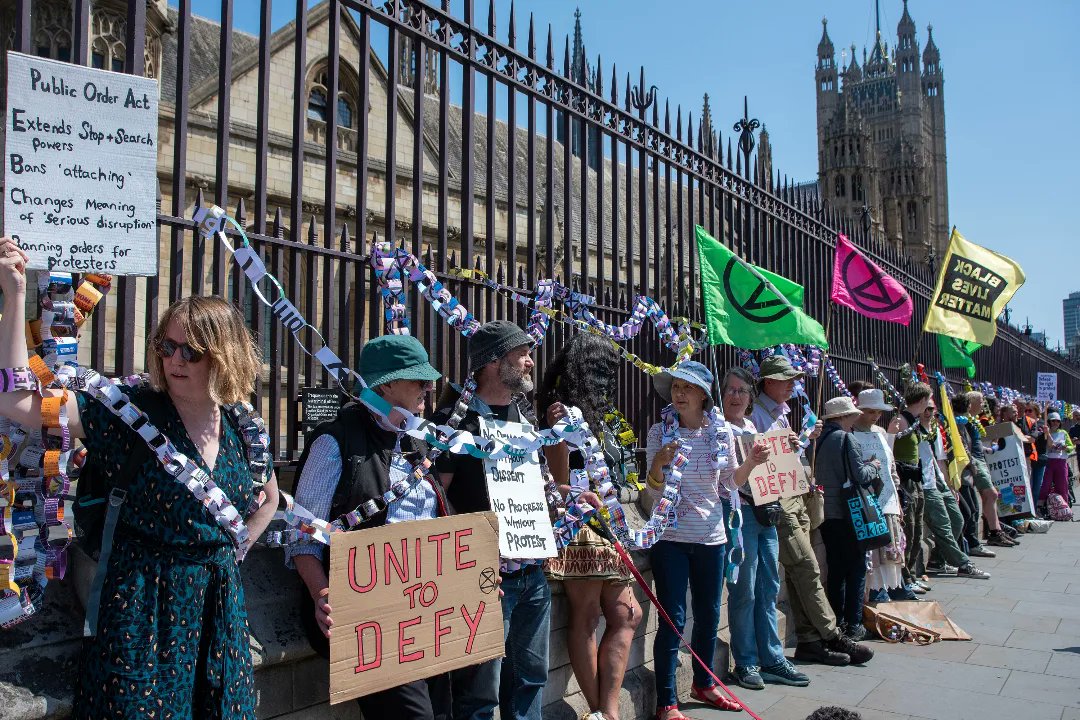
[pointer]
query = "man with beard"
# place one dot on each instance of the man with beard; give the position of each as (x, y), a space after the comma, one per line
(501, 364)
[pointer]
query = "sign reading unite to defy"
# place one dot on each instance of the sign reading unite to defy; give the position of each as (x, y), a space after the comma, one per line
(412, 600)
(80, 167)
(970, 289)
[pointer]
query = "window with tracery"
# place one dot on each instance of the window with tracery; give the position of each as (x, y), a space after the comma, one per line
(109, 31)
(841, 186)
(52, 35)
(318, 109)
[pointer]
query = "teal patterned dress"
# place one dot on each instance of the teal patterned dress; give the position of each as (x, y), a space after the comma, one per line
(172, 635)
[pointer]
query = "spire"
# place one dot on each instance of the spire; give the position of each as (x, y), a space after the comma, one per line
(931, 55)
(825, 47)
(578, 71)
(905, 21)
(706, 121)
(853, 73)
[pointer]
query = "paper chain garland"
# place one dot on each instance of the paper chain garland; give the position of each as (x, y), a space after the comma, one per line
(393, 265)
(35, 492)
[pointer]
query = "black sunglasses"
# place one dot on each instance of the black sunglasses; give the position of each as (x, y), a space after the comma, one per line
(166, 348)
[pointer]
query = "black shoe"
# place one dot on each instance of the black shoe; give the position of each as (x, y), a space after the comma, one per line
(855, 633)
(821, 652)
(858, 654)
(1000, 539)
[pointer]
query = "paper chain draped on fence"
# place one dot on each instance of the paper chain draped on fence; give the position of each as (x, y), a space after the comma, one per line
(390, 270)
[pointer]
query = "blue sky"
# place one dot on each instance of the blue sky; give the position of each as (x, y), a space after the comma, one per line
(1012, 97)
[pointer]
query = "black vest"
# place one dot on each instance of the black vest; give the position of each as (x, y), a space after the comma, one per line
(366, 453)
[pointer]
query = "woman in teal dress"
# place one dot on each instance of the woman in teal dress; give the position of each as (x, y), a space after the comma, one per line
(171, 635)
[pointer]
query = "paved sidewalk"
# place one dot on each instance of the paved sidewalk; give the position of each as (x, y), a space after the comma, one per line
(1023, 662)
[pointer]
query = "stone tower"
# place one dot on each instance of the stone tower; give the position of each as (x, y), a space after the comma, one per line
(881, 139)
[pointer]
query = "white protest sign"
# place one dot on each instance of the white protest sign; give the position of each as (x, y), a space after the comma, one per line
(878, 446)
(516, 489)
(1047, 387)
(80, 167)
(1009, 472)
(782, 475)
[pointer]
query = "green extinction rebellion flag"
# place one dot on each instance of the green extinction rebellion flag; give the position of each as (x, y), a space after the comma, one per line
(749, 307)
(956, 353)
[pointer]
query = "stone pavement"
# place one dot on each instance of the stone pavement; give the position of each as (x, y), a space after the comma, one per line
(1023, 662)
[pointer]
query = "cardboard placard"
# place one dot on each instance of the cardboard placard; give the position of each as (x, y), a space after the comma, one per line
(411, 600)
(1009, 472)
(319, 405)
(1046, 384)
(782, 475)
(80, 167)
(516, 489)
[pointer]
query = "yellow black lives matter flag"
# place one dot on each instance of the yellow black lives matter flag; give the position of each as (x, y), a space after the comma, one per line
(972, 289)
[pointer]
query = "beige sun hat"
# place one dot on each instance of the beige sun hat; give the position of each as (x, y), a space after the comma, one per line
(840, 407)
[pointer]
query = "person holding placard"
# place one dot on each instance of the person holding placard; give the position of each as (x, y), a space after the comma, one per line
(500, 359)
(691, 553)
(839, 466)
(819, 639)
(584, 374)
(756, 646)
(984, 484)
(356, 459)
(170, 637)
(1058, 448)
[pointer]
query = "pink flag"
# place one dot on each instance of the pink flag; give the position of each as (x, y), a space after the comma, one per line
(862, 286)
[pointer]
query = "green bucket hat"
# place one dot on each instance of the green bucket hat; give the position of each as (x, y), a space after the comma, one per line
(395, 357)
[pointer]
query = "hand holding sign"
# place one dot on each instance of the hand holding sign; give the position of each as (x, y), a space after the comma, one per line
(781, 473)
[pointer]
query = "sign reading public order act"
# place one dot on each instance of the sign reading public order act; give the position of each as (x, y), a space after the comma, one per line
(80, 167)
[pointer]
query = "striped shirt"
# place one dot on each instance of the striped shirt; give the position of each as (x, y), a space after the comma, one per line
(315, 491)
(699, 512)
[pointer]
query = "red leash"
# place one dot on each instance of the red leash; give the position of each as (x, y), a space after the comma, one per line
(734, 703)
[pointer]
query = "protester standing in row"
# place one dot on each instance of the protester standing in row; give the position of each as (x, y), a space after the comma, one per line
(908, 466)
(171, 638)
(691, 553)
(885, 576)
(355, 459)
(1058, 448)
(584, 374)
(500, 358)
(943, 520)
(839, 466)
(756, 646)
(980, 471)
(819, 639)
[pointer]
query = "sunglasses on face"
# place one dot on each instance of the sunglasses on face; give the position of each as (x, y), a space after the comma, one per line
(167, 348)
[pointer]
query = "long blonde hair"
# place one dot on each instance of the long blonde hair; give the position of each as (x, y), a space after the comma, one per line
(216, 329)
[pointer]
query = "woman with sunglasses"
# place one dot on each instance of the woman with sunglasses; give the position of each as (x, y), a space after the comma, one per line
(692, 552)
(171, 639)
(756, 646)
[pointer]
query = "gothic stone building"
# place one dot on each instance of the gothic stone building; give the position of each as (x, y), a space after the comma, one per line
(881, 138)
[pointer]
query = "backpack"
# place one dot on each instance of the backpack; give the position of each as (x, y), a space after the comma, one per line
(1058, 508)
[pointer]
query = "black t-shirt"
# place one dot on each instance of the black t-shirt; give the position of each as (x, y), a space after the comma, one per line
(468, 491)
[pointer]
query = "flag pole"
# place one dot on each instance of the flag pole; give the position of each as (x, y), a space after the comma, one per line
(821, 383)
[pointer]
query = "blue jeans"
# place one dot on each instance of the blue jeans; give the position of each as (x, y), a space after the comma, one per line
(515, 683)
(676, 565)
(1038, 470)
(752, 618)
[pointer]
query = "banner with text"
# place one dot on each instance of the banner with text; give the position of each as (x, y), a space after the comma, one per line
(782, 475)
(516, 489)
(1009, 472)
(412, 600)
(80, 167)
(1047, 387)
